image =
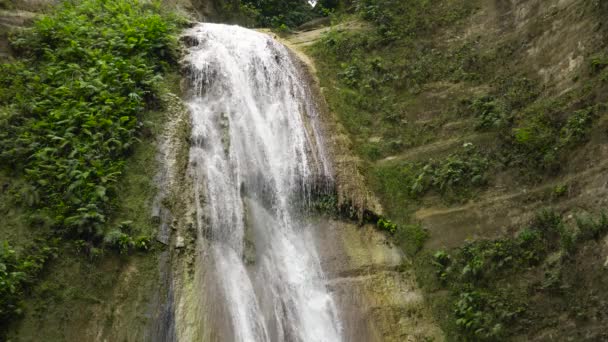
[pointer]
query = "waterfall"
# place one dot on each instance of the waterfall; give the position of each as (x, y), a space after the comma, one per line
(256, 155)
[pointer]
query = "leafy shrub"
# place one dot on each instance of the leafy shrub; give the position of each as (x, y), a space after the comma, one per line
(77, 100)
(120, 240)
(548, 222)
(351, 75)
(460, 170)
(324, 204)
(453, 177)
(16, 273)
(540, 137)
(442, 260)
(484, 317)
(559, 191)
(517, 92)
(142, 243)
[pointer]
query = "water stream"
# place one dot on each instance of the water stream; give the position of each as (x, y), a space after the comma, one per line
(256, 156)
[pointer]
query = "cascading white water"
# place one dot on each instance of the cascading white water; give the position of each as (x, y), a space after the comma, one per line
(256, 152)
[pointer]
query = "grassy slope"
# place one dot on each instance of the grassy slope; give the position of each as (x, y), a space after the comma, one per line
(527, 89)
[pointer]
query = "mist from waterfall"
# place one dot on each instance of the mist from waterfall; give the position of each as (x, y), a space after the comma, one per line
(256, 154)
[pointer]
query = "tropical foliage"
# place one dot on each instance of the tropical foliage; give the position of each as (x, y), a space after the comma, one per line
(72, 107)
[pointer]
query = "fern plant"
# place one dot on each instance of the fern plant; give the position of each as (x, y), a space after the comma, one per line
(73, 105)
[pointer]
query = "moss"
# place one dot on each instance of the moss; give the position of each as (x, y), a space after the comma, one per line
(79, 298)
(411, 238)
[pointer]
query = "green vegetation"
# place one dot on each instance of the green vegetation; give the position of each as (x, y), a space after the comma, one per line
(590, 228)
(17, 272)
(392, 58)
(327, 204)
(488, 280)
(86, 89)
(534, 133)
(414, 81)
(540, 139)
(598, 65)
(411, 237)
(452, 177)
(281, 15)
(386, 225)
(381, 78)
(274, 13)
(74, 103)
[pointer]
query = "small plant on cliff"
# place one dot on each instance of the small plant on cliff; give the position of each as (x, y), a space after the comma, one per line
(386, 225)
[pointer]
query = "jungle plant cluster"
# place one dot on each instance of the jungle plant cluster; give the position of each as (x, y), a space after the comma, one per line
(487, 279)
(73, 105)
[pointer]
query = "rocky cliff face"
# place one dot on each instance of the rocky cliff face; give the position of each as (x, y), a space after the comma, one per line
(375, 286)
(558, 50)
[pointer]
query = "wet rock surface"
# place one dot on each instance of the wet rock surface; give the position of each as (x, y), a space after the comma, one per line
(375, 287)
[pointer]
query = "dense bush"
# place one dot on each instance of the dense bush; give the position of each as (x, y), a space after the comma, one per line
(590, 228)
(74, 103)
(489, 112)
